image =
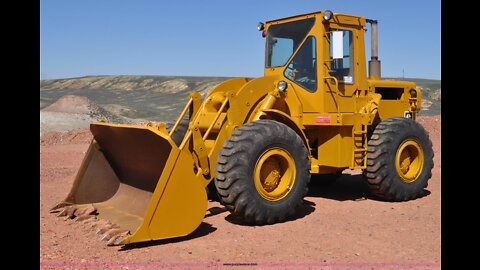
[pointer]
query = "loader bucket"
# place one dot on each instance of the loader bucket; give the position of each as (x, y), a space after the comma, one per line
(135, 185)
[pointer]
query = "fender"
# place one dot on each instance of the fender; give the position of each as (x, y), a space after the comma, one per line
(284, 118)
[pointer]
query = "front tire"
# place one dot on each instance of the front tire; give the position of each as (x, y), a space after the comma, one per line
(400, 160)
(263, 171)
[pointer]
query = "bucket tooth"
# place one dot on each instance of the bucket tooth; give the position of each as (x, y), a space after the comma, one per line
(57, 208)
(106, 228)
(118, 239)
(103, 229)
(108, 235)
(67, 212)
(70, 213)
(61, 212)
(86, 211)
(84, 218)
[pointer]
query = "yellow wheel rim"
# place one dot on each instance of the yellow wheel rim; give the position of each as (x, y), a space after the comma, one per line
(274, 174)
(409, 161)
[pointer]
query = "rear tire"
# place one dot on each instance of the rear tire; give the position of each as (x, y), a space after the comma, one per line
(263, 171)
(400, 160)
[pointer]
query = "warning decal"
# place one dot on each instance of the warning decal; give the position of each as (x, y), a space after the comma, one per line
(323, 119)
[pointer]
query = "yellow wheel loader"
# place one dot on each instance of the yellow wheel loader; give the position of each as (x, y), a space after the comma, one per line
(315, 111)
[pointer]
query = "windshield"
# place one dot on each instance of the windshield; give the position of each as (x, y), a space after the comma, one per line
(283, 39)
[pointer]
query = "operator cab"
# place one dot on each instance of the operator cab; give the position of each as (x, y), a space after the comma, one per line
(321, 55)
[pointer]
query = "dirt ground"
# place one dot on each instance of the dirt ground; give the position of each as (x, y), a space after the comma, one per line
(340, 226)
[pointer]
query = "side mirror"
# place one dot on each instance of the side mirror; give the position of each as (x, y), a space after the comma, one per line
(337, 44)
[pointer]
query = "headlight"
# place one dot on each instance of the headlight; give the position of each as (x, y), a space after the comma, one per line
(413, 93)
(327, 15)
(260, 26)
(282, 86)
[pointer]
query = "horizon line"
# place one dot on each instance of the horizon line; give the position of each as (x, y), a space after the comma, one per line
(204, 76)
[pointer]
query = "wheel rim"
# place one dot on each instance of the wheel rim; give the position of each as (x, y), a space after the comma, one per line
(274, 174)
(409, 161)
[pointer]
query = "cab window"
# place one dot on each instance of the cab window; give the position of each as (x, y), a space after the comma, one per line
(283, 39)
(341, 55)
(302, 69)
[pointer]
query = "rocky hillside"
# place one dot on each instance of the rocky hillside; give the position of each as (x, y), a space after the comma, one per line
(145, 97)
(162, 97)
(71, 112)
(157, 84)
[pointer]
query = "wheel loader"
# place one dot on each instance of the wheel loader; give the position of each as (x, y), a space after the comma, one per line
(314, 112)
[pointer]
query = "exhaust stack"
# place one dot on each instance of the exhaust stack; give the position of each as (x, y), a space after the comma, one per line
(374, 67)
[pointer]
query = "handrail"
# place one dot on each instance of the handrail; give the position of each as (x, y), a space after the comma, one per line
(336, 86)
(180, 118)
(335, 79)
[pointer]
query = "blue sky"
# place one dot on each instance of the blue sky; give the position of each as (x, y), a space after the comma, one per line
(215, 37)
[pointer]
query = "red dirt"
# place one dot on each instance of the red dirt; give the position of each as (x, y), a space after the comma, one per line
(76, 136)
(341, 226)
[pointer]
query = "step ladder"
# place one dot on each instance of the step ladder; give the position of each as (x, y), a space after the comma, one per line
(359, 135)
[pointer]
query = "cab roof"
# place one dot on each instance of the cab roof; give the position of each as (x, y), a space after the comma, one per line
(337, 17)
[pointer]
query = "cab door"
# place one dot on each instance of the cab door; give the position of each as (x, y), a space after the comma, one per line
(341, 69)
